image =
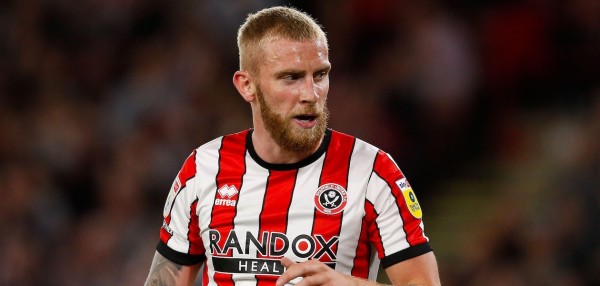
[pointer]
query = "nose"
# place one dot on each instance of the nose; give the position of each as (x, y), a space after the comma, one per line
(310, 91)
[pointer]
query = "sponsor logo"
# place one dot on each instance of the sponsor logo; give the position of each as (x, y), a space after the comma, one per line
(226, 192)
(272, 244)
(225, 202)
(255, 266)
(171, 197)
(331, 198)
(411, 199)
(176, 185)
(167, 228)
(247, 265)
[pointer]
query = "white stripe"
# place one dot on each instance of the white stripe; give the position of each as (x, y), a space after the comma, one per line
(302, 205)
(180, 218)
(250, 202)
(374, 265)
(207, 161)
(389, 220)
(180, 215)
(207, 167)
(361, 164)
(422, 225)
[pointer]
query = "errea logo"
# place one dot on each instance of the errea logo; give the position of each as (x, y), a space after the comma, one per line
(226, 192)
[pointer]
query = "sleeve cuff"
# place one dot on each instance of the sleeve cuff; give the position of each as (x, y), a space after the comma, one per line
(178, 257)
(406, 254)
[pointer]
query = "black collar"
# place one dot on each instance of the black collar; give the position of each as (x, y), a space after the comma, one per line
(282, 167)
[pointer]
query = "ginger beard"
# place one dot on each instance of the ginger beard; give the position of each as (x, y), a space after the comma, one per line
(285, 133)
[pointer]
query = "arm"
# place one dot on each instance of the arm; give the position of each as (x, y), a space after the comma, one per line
(314, 272)
(166, 272)
(420, 270)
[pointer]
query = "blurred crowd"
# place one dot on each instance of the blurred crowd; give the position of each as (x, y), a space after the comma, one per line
(101, 101)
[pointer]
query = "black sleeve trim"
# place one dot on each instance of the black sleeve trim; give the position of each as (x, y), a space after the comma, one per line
(406, 254)
(178, 257)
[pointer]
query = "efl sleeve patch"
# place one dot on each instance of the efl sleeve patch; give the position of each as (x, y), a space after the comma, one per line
(411, 199)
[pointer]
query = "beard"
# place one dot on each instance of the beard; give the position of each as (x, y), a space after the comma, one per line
(285, 133)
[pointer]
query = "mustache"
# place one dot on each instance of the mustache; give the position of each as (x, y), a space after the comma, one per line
(312, 110)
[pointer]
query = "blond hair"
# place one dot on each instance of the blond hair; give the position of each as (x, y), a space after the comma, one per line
(271, 23)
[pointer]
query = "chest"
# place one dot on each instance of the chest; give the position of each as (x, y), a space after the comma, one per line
(281, 213)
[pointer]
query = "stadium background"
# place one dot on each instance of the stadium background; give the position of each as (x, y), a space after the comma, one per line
(491, 108)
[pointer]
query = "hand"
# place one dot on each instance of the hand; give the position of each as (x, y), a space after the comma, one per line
(313, 272)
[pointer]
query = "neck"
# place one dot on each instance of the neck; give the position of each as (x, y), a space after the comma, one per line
(269, 151)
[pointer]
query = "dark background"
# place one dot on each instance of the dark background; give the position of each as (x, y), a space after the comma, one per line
(491, 108)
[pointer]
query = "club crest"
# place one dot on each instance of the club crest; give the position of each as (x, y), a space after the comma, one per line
(330, 198)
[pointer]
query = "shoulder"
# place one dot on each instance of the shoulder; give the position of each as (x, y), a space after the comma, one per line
(213, 146)
(382, 162)
(360, 146)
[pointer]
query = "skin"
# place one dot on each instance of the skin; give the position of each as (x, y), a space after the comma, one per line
(420, 270)
(296, 74)
(166, 272)
(293, 80)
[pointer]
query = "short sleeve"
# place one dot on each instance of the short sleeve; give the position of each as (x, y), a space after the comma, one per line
(180, 239)
(394, 215)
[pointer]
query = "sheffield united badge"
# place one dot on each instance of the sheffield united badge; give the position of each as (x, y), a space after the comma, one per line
(331, 198)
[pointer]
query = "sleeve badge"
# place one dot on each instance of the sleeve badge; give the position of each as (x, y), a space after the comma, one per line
(411, 199)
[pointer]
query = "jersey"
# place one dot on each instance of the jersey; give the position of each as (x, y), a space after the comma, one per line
(347, 205)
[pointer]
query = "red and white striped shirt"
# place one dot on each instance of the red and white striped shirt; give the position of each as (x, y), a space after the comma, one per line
(347, 205)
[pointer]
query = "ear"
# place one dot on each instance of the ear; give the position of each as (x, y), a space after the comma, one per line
(242, 81)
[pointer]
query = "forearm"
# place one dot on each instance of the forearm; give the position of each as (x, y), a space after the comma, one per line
(363, 282)
(166, 272)
(420, 270)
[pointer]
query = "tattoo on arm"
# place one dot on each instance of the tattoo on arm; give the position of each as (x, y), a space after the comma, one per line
(163, 271)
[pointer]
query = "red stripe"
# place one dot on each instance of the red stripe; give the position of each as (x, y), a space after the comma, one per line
(388, 170)
(362, 256)
(188, 171)
(373, 229)
(231, 170)
(273, 217)
(205, 275)
(196, 245)
(335, 170)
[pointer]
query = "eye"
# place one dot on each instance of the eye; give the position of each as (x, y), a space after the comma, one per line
(291, 77)
(321, 75)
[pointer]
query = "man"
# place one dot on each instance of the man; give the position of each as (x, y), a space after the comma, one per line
(289, 201)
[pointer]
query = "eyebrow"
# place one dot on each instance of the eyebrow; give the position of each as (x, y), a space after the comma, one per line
(289, 72)
(300, 73)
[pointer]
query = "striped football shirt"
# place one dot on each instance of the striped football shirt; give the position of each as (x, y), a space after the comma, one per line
(347, 205)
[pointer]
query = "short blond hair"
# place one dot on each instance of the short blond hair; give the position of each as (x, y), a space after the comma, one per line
(270, 23)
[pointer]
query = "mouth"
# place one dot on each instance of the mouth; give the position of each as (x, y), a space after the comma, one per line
(306, 120)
